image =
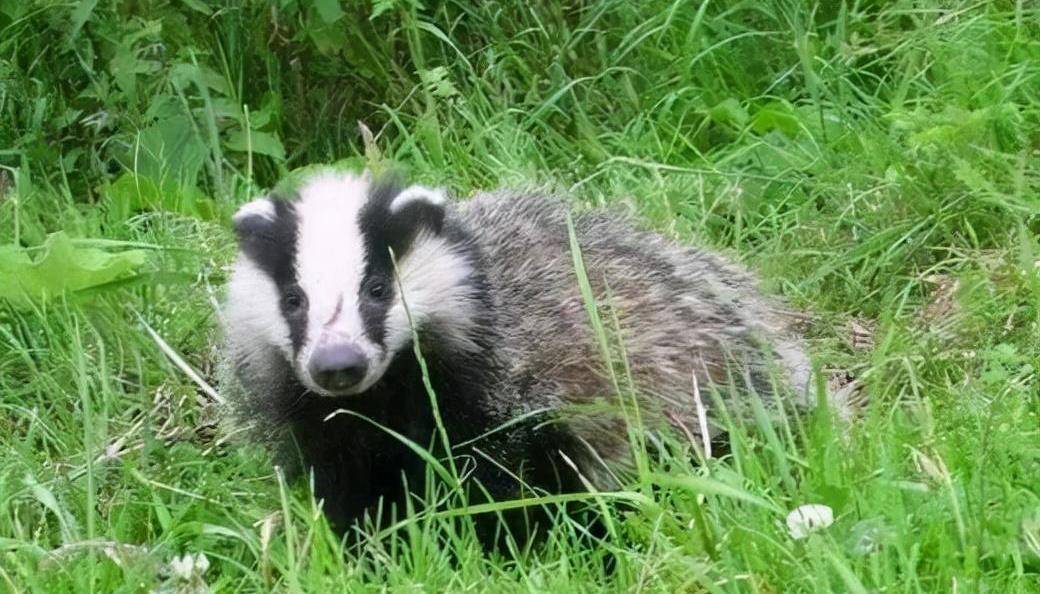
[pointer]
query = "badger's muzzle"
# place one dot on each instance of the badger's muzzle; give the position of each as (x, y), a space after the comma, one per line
(337, 366)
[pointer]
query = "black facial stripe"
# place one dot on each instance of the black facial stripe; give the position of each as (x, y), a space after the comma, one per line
(271, 245)
(384, 231)
(372, 221)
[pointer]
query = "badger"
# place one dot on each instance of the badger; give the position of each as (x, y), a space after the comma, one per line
(364, 317)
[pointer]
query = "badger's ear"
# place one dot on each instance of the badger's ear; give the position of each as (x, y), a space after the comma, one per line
(419, 207)
(253, 218)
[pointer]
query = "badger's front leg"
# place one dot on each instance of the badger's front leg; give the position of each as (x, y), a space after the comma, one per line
(358, 470)
(522, 462)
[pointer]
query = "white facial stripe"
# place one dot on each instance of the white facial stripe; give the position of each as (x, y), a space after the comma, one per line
(433, 277)
(253, 311)
(330, 252)
(336, 312)
(330, 266)
(413, 193)
(259, 207)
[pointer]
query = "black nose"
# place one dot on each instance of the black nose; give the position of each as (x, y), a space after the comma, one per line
(337, 366)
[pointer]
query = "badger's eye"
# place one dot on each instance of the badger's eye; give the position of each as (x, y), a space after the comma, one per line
(377, 290)
(294, 300)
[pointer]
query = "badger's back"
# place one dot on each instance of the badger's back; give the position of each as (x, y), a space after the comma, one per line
(682, 312)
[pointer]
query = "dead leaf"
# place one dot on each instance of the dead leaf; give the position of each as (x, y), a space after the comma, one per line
(861, 334)
(942, 303)
(5, 184)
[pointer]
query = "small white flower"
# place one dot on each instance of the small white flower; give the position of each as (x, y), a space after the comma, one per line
(180, 567)
(808, 518)
(201, 564)
(189, 566)
(184, 575)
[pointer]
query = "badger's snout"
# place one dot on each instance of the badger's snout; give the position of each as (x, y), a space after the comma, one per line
(337, 365)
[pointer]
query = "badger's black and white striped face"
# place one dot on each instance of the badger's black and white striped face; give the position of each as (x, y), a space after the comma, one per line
(315, 281)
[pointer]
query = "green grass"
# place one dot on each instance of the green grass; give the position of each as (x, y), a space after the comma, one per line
(877, 162)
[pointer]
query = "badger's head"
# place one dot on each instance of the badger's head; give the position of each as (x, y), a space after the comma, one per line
(315, 282)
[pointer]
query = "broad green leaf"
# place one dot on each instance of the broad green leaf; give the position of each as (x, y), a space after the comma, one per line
(270, 107)
(133, 193)
(381, 6)
(170, 149)
(263, 143)
(66, 521)
(124, 67)
(776, 115)
(329, 10)
(60, 266)
(80, 15)
(163, 106)
(199, 6)
(225, 108)
(328, 39)
(729, 112)
(184, 74)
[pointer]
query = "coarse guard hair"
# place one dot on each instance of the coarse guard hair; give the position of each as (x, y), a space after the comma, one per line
(334, 281)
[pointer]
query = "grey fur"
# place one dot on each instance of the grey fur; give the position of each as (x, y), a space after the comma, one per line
(682, 312)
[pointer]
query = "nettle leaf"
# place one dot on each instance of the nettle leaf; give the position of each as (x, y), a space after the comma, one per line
(169, 149)
(438, 83)
(162, 106)
(328, 39)
(60, 266)
(127, 62)
(183, 75)
(270, 108)
(225, 108)
(729, 112)
(262, 143)
(776, 115)
(80, 15)
(135, 193)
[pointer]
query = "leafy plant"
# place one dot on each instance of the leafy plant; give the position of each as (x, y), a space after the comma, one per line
(61, 265)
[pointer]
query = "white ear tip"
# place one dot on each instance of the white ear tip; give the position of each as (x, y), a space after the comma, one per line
(262, 207)
(435, 196)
